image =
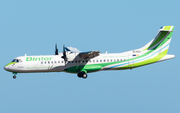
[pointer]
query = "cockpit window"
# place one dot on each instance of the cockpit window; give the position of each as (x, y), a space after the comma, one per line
(16, 60)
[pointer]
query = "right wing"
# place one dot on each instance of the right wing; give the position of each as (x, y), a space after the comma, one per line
(83, 55)
(89, 54)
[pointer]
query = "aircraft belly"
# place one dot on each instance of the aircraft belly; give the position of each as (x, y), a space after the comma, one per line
(89, 68)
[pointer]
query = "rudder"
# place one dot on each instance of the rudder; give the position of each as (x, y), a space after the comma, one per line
(163, 36)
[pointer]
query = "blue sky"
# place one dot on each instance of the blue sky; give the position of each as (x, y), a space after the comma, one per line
(33, 27)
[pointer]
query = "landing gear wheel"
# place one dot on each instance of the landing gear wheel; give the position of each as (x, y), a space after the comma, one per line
(79, 75)
(84, 76)
(14, 76)
(14, 73)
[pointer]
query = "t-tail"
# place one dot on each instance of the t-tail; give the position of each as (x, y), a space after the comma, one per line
(156, 50)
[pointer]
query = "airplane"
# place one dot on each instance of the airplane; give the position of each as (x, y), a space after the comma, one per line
(72, 60)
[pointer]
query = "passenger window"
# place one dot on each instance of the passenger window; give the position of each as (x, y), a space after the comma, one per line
(111, 60)
(61, 61)
(107, 60)
(41, 62)
(55, 62)
(75, 61)
(58, 61)
(48, 62)
(104, 60)
(100, 60)
(52, 62)
(96, 60)
(45, 62)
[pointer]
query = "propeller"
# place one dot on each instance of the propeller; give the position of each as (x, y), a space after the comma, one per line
(56, 50)
(64, 54)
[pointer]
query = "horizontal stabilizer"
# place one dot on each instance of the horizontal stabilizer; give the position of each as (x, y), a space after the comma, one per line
(167, 57)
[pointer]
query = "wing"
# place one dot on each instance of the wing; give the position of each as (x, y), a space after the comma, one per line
(72, 49)
(83, 55)
(89, 54)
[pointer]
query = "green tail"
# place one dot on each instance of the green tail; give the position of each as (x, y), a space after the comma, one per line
(164, 35)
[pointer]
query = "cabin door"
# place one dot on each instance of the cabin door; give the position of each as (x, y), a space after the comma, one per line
(130, 61)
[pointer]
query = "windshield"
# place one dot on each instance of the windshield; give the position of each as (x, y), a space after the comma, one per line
(16, 60)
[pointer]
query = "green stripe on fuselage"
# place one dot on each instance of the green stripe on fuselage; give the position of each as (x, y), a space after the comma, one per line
(150, 61)
(11, 63)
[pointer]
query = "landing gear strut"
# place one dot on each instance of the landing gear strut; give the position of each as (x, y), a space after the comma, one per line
(14, 75)
(82, 74)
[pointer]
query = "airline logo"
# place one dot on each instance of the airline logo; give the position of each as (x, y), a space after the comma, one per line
(38, 58)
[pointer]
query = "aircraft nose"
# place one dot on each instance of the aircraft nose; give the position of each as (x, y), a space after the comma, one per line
(6, 68)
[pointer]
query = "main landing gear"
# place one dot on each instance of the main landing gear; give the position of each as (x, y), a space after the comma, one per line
(15, 73)
(82, 74)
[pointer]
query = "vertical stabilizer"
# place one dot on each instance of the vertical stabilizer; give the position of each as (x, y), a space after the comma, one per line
(162, 39)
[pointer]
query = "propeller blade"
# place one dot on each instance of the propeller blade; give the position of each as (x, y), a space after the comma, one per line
(56, 50)
(64, 54)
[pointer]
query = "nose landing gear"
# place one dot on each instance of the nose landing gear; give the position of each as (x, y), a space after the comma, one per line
(15, 73)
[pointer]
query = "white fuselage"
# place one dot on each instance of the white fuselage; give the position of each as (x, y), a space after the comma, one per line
(54, 63)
